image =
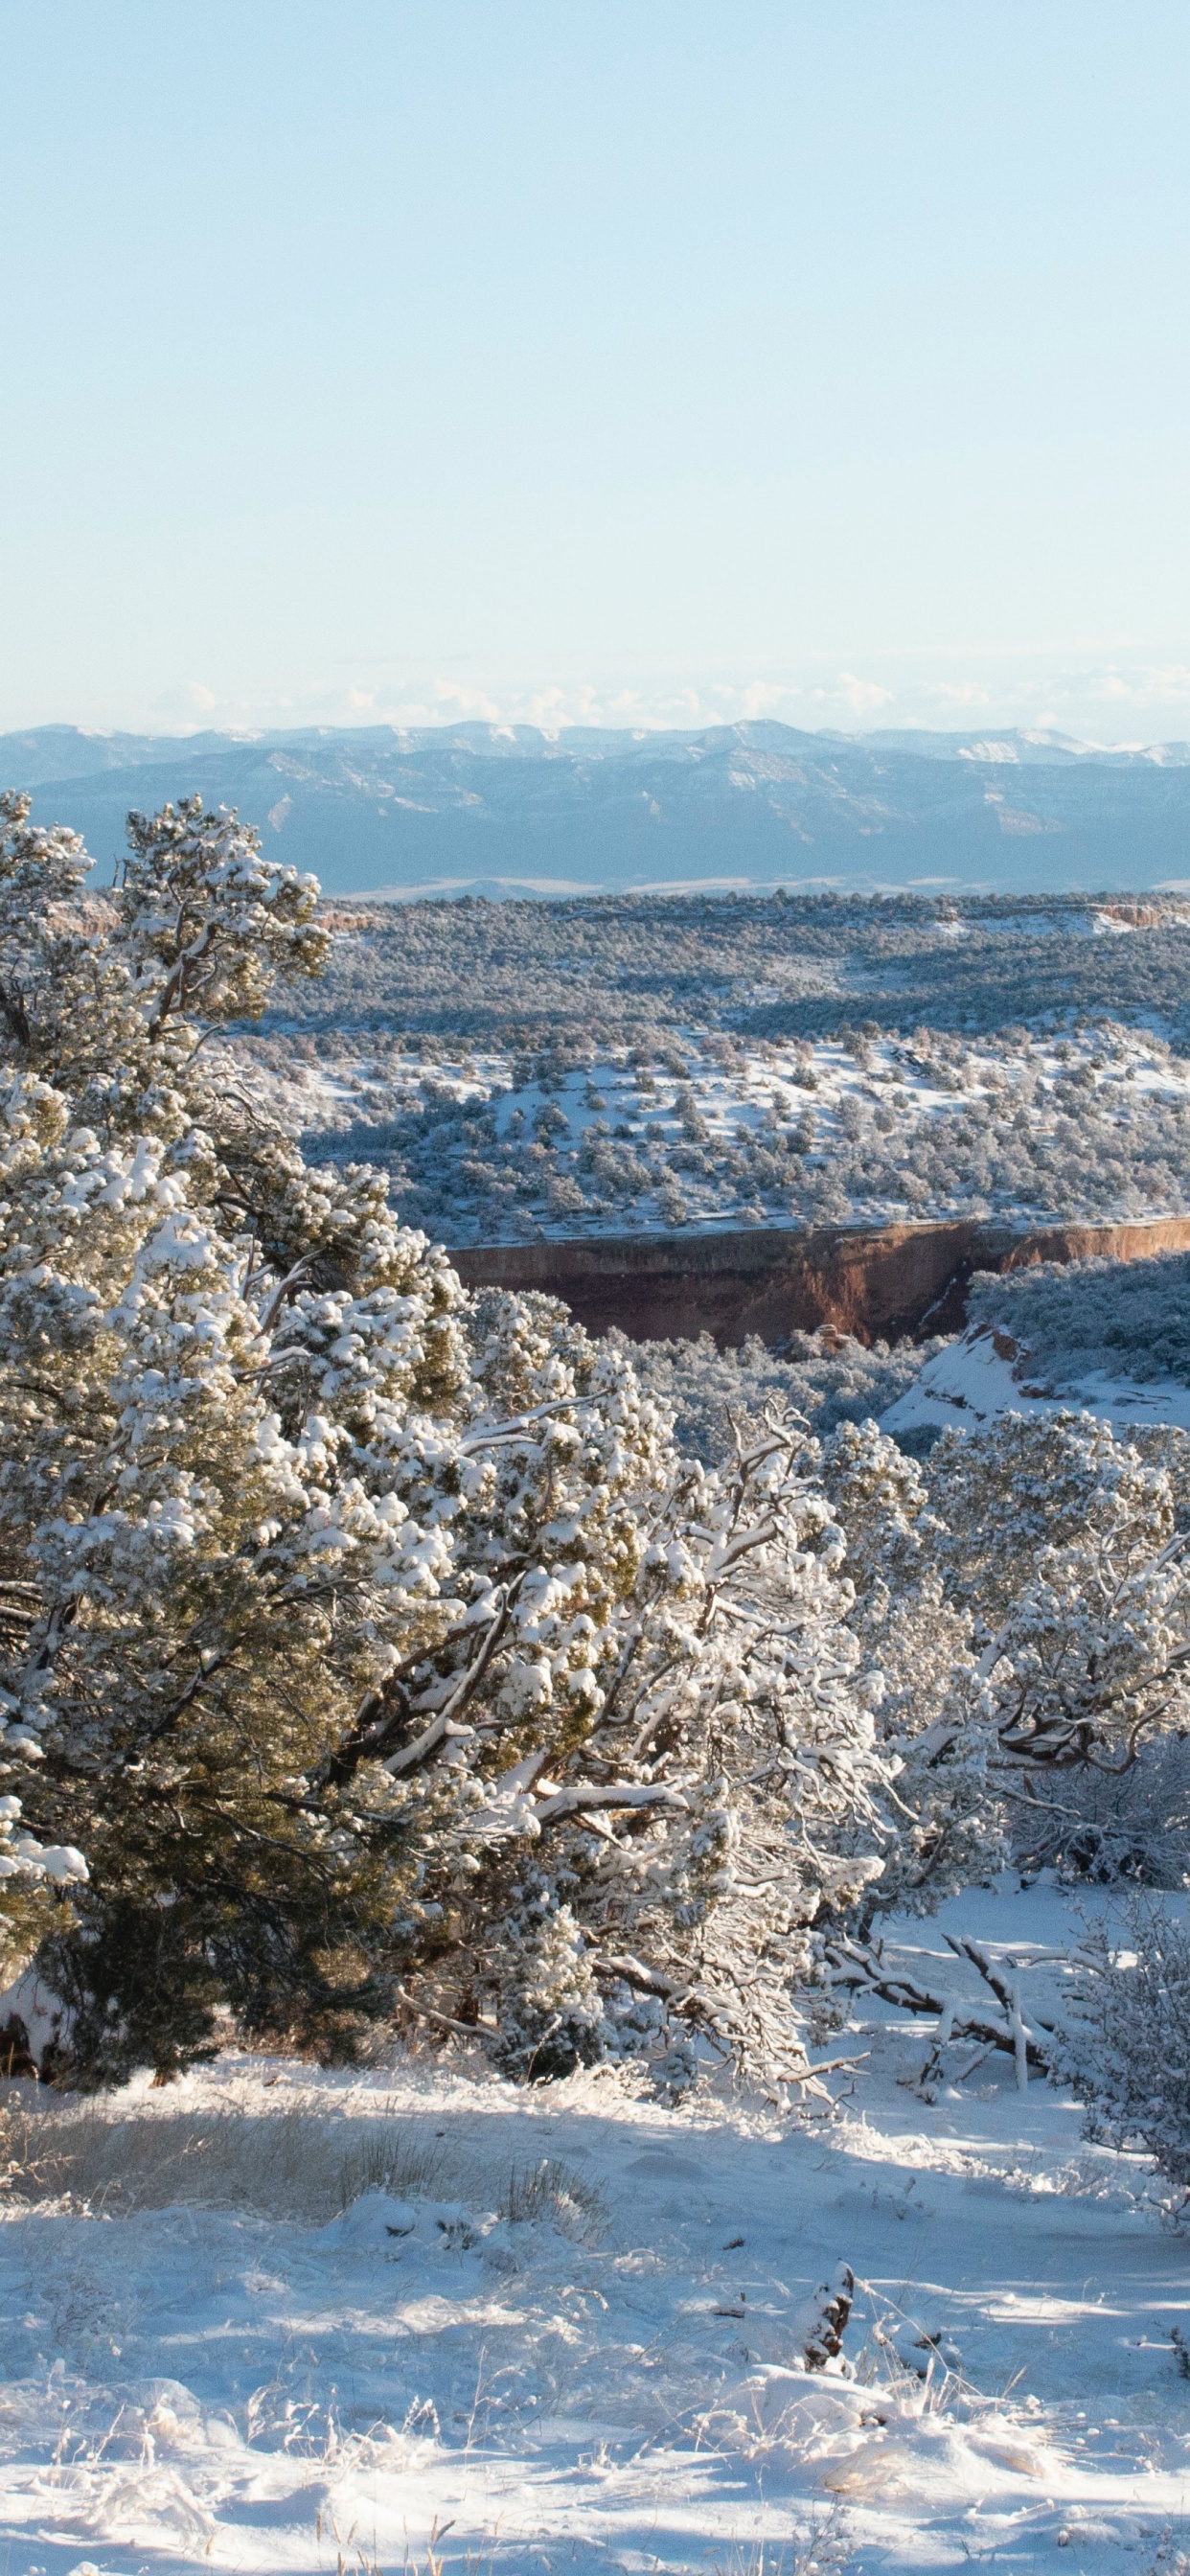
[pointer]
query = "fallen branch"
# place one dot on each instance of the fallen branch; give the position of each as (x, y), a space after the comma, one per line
(649, 1981)
(441, 2020)
(1009, 1996)
(850, 1964)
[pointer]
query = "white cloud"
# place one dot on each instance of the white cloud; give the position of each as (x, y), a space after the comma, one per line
(768, 698)
(1173, 681)
(188, 703)
(1090, 693)
(860, 697)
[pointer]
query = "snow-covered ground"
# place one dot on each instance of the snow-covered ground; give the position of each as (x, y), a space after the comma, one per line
(215, 2364)
(985, 1373)
(709, 1133)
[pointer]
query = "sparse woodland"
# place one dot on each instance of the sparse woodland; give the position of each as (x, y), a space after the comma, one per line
(559, 1068)
(565, 976)
(376, 1654)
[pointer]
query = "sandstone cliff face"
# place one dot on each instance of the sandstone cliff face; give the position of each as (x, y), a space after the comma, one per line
(871, 1282)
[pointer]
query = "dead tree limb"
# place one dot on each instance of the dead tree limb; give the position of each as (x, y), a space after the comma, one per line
(849, 1963)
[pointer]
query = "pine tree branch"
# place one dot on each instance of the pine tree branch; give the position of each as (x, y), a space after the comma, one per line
(585, 1798)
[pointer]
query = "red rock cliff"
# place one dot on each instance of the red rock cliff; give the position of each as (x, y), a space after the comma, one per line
(865, 1280)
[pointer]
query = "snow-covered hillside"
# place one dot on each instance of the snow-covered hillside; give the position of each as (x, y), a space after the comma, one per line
(704, 1131)
(985, 1373)
(1103, 1337)
(563, 2328)
(565, 976)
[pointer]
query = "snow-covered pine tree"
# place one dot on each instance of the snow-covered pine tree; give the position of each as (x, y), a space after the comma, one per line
(373, 1643)
(726, 1791)
(948, 1812)
(1065, 1539)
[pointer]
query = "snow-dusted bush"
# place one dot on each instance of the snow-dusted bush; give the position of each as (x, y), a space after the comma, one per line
(826, 1377)
(1065, 1543)
(1128, 2044)
(1106, 1823)
(1068, 1547)
(375, 1644)
(1025, 1598)
(1028, 1484)
(1029, 1608)
(946, 1806)
(656, 1855)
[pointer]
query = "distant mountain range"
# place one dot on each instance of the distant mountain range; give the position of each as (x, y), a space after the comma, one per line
(500, 810)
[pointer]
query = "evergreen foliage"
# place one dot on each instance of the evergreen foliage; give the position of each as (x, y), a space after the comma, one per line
(826, 1377)
(1122, 1318)
(569, 974)
(374, 1644)
(1127, 2047)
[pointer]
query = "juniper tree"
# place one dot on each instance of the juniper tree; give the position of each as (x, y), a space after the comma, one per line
(1068, 1543)
(374, 1644)
(945, 1800)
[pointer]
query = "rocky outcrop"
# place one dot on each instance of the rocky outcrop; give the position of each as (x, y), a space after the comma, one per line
(869, 1281)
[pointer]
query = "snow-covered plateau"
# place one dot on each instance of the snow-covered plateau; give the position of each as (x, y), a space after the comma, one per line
(273, 2319)
(692, 1062)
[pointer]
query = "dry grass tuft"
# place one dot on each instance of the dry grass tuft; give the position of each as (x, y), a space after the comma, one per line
(826, 2551)
(294, 2162)
(553, 2191)
(299, 2161)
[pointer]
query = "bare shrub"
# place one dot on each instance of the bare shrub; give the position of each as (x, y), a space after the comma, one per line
(1109, 1825)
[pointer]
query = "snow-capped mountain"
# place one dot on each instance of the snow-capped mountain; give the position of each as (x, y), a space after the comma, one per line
(492, 808)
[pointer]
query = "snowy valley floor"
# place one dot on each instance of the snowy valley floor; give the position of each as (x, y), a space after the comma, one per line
(593, 2369)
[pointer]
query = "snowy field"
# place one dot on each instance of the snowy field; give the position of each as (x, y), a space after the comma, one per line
(702, 1132)
(561, 2329)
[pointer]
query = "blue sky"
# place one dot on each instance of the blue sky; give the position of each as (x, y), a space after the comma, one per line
(628, 360)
